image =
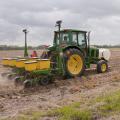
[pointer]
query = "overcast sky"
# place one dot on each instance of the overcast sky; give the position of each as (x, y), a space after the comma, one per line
(101, 17)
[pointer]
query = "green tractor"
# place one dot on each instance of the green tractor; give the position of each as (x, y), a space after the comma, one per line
(71, 53)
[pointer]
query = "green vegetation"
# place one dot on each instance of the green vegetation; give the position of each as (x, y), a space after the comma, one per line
(111, 104)
(103, 106)
(71, 112)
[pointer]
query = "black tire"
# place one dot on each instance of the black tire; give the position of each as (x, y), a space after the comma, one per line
(100, 69)
(67, 54)
(45, 81)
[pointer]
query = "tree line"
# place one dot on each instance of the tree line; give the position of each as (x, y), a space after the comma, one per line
(7, 47)
(107, 46)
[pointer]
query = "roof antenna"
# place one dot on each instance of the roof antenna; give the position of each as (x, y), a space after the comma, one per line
(58, 24)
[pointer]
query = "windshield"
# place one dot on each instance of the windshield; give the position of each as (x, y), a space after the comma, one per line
(74, 38)
(79, 39)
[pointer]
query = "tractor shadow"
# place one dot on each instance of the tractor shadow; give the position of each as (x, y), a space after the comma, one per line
(89, 72)
(93, 71)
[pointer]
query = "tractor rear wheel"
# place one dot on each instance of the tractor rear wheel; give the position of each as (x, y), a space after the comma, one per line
(74, 62)
(102, 66)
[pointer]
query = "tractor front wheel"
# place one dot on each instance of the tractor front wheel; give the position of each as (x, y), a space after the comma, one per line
(102, 66)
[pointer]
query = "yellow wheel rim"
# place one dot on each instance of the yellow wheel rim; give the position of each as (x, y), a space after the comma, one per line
(75, 64)
(103, 67)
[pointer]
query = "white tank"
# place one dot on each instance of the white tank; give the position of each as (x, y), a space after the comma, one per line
(104, 53)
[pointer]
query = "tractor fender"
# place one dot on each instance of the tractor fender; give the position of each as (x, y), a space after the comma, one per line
(70, 47)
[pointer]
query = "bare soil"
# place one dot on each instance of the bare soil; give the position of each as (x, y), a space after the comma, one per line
(14, 100)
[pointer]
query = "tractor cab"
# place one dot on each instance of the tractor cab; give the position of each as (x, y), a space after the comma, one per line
(70, 37)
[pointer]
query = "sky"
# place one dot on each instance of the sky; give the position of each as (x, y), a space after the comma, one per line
(101, 17)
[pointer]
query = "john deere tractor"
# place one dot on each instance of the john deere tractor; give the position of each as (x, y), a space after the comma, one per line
(69, 56)
(71, 53)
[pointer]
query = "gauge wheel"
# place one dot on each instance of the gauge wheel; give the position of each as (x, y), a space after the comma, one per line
(44, 81)
(74, 62)
(102, 66)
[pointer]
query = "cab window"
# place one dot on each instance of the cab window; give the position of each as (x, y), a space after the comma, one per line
(81, 39)
(65, 38)
(75, 38)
